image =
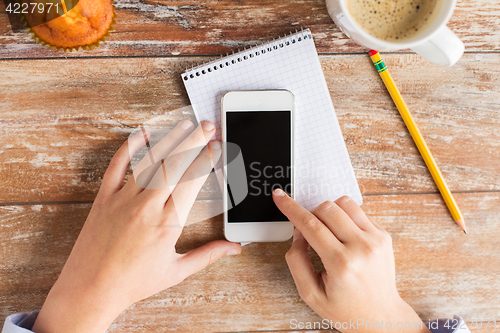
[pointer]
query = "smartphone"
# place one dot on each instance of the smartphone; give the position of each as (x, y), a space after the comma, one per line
(257, 136)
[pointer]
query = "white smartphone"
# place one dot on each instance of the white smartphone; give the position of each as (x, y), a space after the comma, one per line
(257, 135)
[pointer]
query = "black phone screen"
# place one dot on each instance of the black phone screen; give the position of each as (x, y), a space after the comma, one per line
(264, 139)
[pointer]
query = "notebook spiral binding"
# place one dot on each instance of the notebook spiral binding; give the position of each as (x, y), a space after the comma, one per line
(246, 53)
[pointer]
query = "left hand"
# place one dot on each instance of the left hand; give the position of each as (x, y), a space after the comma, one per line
(126, 249)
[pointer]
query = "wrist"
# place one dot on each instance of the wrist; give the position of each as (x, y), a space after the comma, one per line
(73, 309)
(395, 316)
(409, 321)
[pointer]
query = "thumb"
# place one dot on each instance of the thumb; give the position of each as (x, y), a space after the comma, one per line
(305, 276)
(197, 259)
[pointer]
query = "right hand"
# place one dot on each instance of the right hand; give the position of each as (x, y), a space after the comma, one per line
(358, 285)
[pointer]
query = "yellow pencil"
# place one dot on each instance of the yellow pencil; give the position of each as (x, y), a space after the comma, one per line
(417, 137)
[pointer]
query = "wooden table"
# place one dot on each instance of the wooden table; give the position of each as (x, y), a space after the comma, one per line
(63, 115)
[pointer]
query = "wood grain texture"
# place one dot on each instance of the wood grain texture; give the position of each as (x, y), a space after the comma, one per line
(440, 271)
(475, 328)
(479, 327)
(62, 120)
(167, 27)
(58, 149)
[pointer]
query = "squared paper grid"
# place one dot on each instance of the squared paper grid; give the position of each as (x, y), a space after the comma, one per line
(323, 170)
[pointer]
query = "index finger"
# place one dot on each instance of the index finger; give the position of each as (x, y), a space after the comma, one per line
(322, 240)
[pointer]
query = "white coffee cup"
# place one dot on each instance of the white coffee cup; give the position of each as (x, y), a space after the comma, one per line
(436, 43)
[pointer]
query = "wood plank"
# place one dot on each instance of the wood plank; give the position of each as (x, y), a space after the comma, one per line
(63, 120)
(476, 328)
(440, 271)
(488, 326)
(479, 327)
(176, 27)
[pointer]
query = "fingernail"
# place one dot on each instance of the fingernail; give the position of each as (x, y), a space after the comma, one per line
(215, 145)
(279, 192)
(208, 126)
(186, 124)
(297, 235)
(232, 252)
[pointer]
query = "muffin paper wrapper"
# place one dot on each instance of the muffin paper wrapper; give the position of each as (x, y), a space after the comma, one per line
(87, 47)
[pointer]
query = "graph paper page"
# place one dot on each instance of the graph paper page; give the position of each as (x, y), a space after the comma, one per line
(323, 170)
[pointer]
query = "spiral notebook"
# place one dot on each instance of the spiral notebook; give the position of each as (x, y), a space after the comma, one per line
(323, 170)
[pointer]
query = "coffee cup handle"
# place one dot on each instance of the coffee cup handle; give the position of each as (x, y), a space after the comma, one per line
(443, 49)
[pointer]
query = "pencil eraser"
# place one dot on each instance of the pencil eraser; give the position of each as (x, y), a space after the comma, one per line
(372, 52)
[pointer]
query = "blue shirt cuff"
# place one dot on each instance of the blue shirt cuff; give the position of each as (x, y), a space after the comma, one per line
(19, 322)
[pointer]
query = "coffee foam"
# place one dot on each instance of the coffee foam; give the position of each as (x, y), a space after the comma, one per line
(394, 20)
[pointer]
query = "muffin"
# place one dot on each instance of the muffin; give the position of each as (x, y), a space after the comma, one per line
(70, 24)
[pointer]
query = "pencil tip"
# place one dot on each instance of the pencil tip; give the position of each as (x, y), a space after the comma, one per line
(465, 231)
